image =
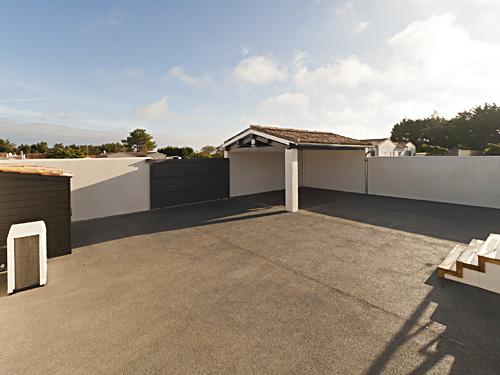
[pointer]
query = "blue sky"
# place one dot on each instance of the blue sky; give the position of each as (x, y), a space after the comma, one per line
(197, 72)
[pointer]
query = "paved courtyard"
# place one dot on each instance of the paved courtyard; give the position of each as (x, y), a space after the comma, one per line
(347, 285)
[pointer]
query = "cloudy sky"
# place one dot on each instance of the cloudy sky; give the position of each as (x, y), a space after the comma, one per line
(195, 72)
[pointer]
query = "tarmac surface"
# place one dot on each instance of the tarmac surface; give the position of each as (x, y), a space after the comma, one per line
(345, 286)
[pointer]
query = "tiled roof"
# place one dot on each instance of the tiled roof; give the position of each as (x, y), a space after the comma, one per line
(307, 136)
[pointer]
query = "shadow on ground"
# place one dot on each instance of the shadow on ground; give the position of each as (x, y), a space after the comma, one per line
(467, 325)
(451, 222)
(465, 318)
(101, 230)
(451, 323)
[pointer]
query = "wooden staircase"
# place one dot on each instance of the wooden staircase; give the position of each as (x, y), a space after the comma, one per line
(476, 264)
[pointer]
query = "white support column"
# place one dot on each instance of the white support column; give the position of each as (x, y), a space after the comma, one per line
(292, 179)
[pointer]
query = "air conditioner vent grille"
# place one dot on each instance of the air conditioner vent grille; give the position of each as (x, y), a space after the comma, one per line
(27, 261)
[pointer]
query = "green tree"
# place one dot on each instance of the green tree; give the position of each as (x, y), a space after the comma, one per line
(183, 152)
(112, 147)
(473, 129)
(7, 146)
(492, 149)
(435, 150)
(25, 149)
(209, 152)
(410, 131)
(478, 127)
(40, 147)
(139, 140)
(59, 151)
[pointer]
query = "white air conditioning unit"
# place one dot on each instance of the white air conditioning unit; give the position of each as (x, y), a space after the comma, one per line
(26, 256)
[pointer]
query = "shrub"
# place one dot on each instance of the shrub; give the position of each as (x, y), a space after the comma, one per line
(435, 150)
(492, 149)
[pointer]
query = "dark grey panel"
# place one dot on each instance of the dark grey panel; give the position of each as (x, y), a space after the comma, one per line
(170, 168)
(163, 184)
(25, 198)
(175, 182)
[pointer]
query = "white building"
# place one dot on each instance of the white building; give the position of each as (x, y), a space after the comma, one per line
(386, 147)
(264, 159)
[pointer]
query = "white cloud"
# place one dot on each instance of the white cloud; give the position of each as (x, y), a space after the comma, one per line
(154, 111)
(347, 72)
(438, 61)
(178, 73)
(288, 99)
(113, 18)
(244, 51)
(52, 114)
(361, 26)
(347, 13)
(258, 71)
(134, 73)
(431, 64)
(345, 8)
(22, 100)
(289, 109)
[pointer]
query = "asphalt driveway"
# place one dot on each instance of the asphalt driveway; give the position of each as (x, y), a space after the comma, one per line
(346, 285)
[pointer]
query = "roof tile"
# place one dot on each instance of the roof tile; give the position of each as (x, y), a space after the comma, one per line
(308, 136)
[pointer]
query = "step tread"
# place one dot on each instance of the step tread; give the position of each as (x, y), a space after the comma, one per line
(450, 262)
(491, 247)
(469, 255)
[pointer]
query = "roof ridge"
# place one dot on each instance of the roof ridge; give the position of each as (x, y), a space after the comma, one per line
(295, 129)
(303, 136)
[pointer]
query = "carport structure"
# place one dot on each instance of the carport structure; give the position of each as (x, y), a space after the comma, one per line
(270, 158)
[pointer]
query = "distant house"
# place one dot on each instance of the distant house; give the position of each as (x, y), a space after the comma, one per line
(386, 147)
(8, 155)
(405, 149)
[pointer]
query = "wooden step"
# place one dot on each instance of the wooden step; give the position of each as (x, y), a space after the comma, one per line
(469, 258)
(489, 252)
(491, 247)
(449, 264)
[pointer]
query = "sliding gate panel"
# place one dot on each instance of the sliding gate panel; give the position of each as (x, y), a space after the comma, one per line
(175, 182)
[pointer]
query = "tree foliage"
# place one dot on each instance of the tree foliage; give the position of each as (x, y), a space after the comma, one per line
(59, 151)
(139, 140)
(183, 152)
(112, 147)
(40, 147)
(211, 152)
(473, 129)
(7, 146)
(206, 152)
(435, 150)
(492, 149)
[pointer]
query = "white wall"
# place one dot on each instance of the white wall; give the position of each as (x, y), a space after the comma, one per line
(102, 187)
(334, 170)
(386, 148)
(471, 180)
(256, 172)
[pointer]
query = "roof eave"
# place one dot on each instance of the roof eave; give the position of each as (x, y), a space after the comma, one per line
(251, 130)
(331, 146)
